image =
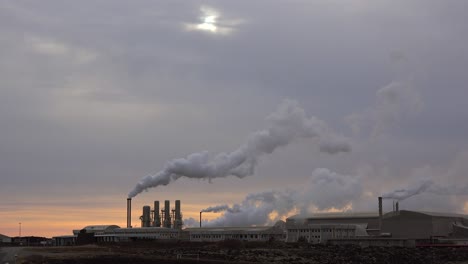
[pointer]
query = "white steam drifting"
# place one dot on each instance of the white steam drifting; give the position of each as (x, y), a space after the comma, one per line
(394, 102)
(402, 194)
(428, 186)
(221, 208)
(287, 123)
(266, 208)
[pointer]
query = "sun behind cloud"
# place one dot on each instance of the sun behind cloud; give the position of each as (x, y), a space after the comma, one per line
(210, 21)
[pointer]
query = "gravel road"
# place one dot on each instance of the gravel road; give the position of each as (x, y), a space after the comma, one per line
(7, 254)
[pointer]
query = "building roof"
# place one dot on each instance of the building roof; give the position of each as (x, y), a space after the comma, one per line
(4, 237)
(65, 236)
(341, 215)
(336, 215)
(143, 229)
(439, 214)
(425, 214)
(230, 228)
(97, 228)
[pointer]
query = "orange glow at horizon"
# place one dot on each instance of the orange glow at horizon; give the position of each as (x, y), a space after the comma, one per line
(50, 219)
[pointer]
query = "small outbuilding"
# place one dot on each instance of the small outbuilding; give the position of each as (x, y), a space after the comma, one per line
(5, 239)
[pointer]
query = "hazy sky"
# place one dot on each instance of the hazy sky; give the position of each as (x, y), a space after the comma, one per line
(95, 95)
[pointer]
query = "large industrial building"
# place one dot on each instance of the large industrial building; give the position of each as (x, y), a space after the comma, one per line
(250, 233)
(397, 224)
(395, 228)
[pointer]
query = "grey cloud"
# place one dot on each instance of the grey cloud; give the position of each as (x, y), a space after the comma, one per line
(127, 108)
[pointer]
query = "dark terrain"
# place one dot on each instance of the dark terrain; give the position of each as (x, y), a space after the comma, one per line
(238, 252)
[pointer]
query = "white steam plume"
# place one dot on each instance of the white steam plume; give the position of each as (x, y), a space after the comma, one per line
(221, 208)
(256, 209)
(325, 190)
(287, 123)
(402, 194)
(428, 186)
(394, 102)
(334, 144)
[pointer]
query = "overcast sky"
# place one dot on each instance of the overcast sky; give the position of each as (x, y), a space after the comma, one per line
(95, 95)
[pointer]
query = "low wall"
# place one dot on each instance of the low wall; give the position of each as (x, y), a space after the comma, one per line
(374, 242)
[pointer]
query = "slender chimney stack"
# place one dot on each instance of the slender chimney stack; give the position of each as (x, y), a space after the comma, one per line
(156, 217)
(397, 207)
(146, 218)
(380, 213)
(200, 218)
(129, 212)
(167, 214)
(177, 216)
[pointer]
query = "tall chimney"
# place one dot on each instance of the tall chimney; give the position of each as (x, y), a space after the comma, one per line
(129, 212)
(146, 218)
(156, 217)
(397, 207)
(380, 213)
(177, 216)
(200, 218)
(167, 214)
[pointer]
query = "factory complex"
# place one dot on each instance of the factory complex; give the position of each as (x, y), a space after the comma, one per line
(395, 228)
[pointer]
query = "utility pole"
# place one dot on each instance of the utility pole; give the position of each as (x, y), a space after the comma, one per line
(20, 234)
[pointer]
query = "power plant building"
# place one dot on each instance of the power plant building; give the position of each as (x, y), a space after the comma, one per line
(258, 233)
(319, 228)
(395, 228)
(398, 224)
(424, 225)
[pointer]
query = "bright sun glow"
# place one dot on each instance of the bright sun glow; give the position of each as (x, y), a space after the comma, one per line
(210, 22)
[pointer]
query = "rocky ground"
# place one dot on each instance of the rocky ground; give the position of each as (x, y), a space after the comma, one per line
(238, 252)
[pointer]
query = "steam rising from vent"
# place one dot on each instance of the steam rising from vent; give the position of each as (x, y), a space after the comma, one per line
(335, 144)
(402, 194)
(394, 102)
(256, 209)
(287, 123)
(266, 208)
(426, 186)
(221, 208)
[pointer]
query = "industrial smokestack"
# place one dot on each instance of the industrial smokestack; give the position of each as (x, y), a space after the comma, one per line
(380, 213)
(397, 207)
(167, 214)
(156, 217)
(177, 216)
(200, 218)
(146, 218)
(177, 209)
(129, 212)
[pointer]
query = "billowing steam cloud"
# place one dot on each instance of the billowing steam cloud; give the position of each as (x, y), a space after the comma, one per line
(327, 189)
(257, 209)
(268, 207)
(286, 124)
(394, 102)
(426, 186)
(334, 144)
(221, 208)
(402, 194)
